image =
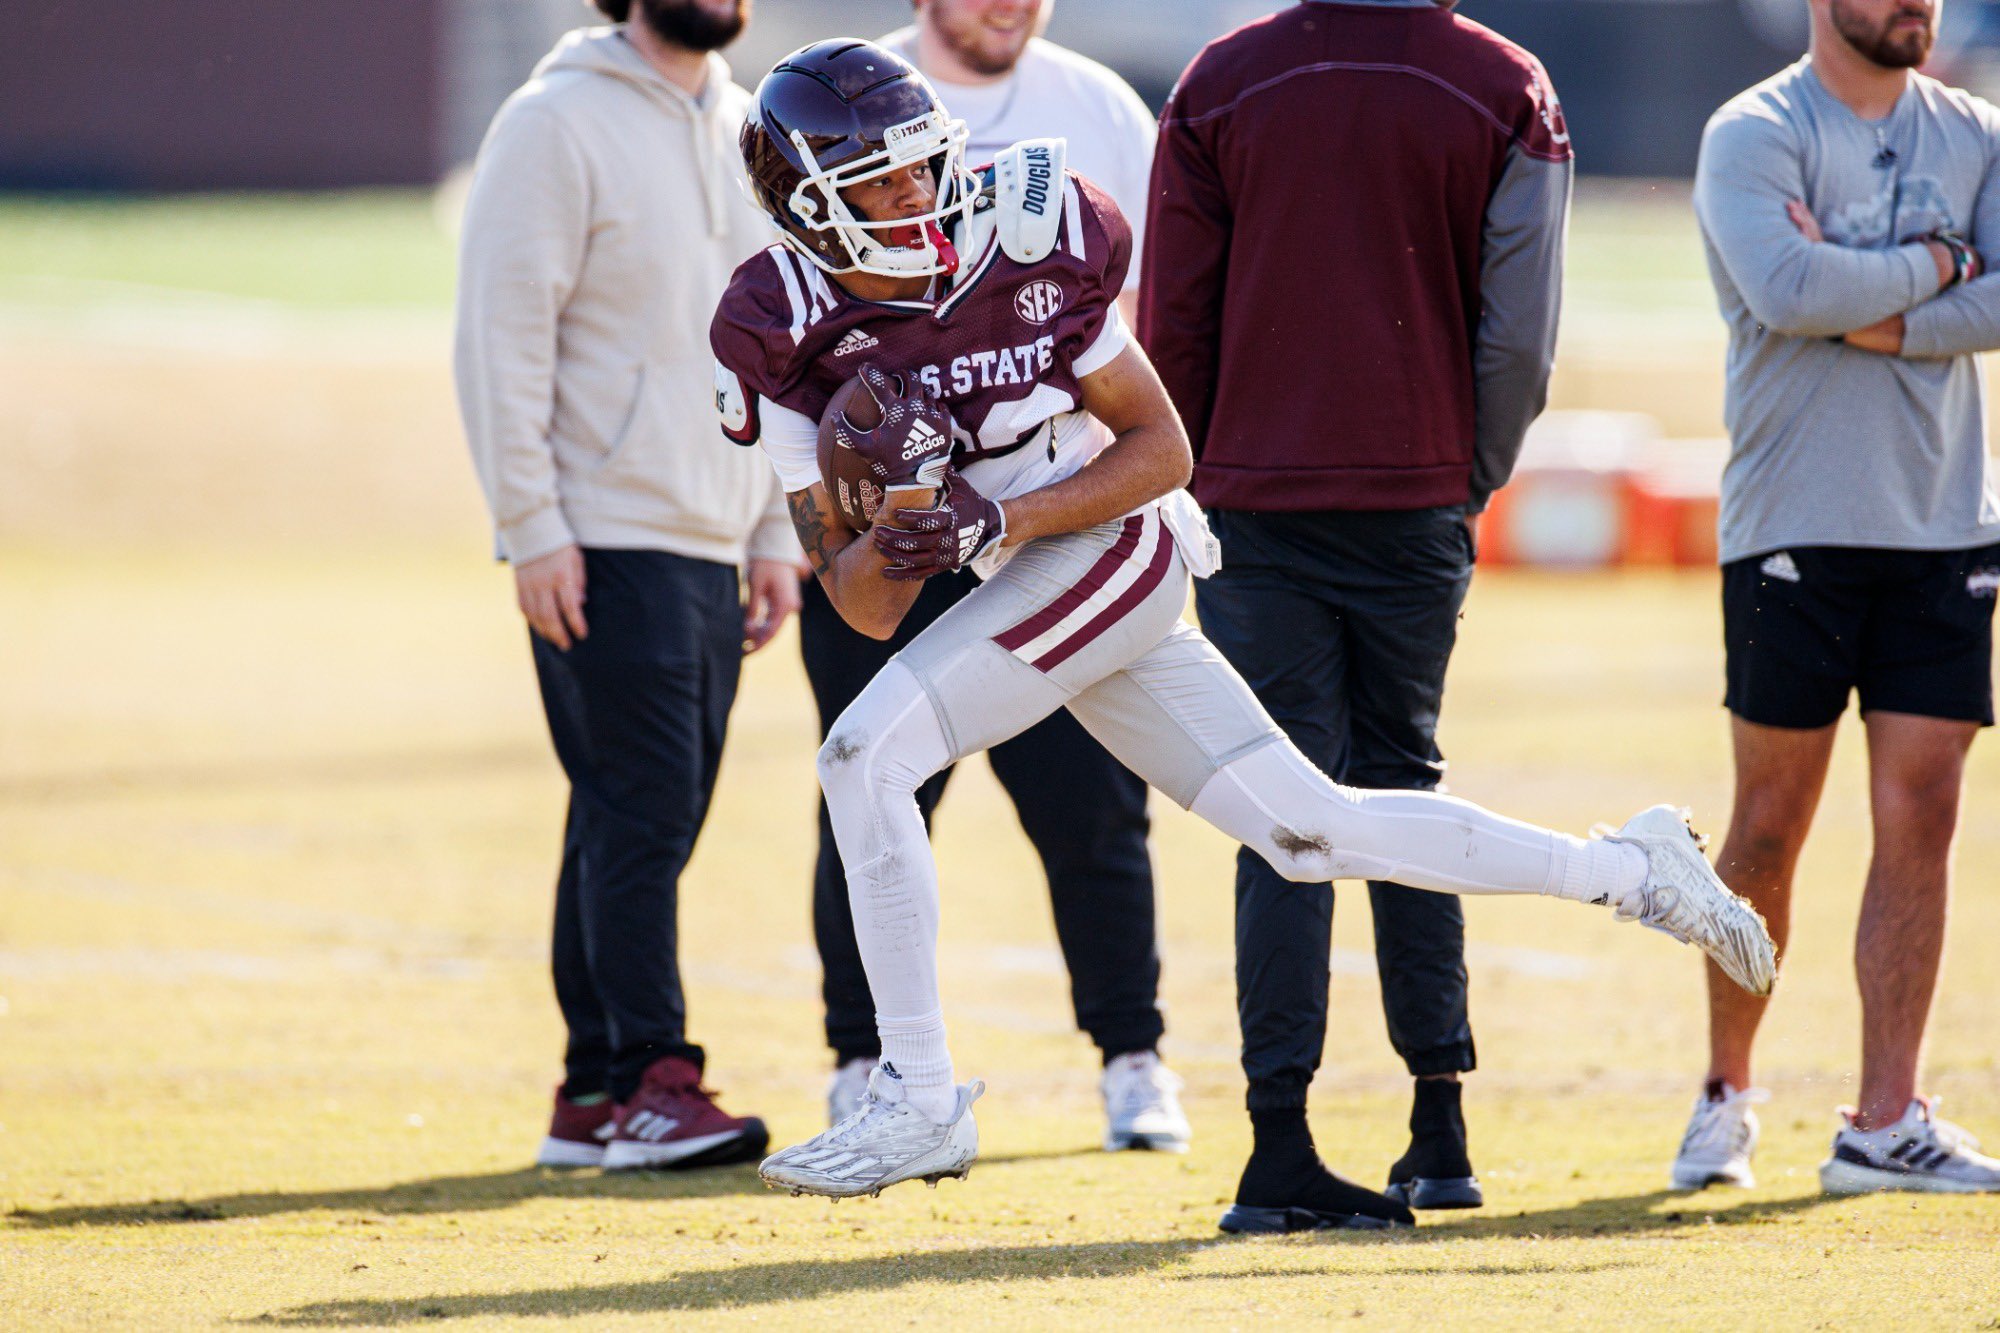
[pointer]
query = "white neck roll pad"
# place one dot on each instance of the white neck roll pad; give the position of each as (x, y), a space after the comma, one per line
(1028, 196)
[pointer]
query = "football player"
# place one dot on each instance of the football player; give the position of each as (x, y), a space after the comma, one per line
(980, 310)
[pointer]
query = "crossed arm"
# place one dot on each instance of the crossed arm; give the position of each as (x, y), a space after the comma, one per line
(1147, 458)
(1885, 335)
(1749, 192)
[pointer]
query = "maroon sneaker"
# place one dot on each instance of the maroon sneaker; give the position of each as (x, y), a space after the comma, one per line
(577, 1134)
(673, 1121)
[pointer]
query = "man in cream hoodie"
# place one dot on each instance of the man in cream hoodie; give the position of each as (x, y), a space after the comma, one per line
(603, 222)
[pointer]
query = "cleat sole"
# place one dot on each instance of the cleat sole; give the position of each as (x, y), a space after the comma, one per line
(1244, 1220)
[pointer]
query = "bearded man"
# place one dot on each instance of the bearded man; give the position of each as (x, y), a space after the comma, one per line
(1850, 208)
(605, 217)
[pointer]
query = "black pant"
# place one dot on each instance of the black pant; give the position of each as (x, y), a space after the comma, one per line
(1084, 812)
(637, 712)
(1343, 624)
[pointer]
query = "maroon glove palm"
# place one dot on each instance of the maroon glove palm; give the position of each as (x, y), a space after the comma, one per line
(911, 443)
(961, 527)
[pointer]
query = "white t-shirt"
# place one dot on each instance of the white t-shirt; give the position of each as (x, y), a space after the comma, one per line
(1054, 93)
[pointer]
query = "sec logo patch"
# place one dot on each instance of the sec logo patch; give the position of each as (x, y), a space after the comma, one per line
(1038, 301)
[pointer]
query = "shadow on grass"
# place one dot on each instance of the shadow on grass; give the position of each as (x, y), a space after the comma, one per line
(754, 1284)
(1621, 1215)
(1552, 1268)
(441, 1194)
(766, 1284)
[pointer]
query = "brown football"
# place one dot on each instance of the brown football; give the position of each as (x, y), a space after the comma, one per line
(856, 492)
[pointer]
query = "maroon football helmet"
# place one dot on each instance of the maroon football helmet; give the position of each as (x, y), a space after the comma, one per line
(834, 114)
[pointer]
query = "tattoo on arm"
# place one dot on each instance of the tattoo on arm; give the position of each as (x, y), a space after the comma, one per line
(812, 529)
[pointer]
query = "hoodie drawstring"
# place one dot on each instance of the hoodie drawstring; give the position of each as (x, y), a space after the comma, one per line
(714, 182)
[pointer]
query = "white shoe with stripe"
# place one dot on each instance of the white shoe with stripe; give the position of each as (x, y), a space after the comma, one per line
(1142, 1107)
(1919, 1152)
(885, 1142)
(1721, 1136)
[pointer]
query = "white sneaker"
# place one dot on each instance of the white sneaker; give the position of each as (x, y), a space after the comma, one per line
(1721, 1136)
(1684, 897)
(884, 1143)
(1918, 1152)
(1142, 1105)
(846, 1088)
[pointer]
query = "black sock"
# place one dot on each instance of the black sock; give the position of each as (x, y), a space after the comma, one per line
(1284, 1171)
(1437, 1134)
(1281, 1133)
(1437, 1104)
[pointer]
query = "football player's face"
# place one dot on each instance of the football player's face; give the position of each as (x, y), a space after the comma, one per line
(988, 36)
(1895, 34)
(905, 193)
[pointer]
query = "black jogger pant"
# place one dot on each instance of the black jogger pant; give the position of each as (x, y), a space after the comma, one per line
(1343, 623)
(637, 712)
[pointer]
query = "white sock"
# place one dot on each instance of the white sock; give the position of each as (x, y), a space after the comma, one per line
(1596, 870)
(917, 1051)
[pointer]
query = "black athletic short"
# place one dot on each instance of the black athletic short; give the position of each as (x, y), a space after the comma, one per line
(1911, 630)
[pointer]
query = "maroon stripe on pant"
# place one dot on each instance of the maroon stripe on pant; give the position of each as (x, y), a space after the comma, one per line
(1096, 577)
(1142, 587)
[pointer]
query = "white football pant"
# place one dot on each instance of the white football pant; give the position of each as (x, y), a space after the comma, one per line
(1090, 621)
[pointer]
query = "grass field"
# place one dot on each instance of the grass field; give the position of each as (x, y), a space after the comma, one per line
(278, 822)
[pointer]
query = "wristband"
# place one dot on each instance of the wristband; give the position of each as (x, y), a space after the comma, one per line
(1963, 257)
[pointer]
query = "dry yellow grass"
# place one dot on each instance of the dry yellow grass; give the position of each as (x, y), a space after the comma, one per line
(277, 828)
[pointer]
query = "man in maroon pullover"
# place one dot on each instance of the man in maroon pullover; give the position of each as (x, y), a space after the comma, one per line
(1352, 268)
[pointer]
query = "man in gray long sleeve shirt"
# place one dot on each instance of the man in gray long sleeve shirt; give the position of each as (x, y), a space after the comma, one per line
(1846, 205)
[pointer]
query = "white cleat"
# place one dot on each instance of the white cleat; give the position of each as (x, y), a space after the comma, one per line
(1918, 1152)
(846, 1089)
(1684, 897)
(885, 1142)
(1142, 1105)
(1721, 1136)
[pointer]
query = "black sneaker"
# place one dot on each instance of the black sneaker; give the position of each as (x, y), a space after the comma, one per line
(1436, 1172)
(1285, 1187)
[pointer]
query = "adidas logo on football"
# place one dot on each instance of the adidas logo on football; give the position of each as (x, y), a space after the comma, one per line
(1781, 567)
(854, 341)
(921, 439)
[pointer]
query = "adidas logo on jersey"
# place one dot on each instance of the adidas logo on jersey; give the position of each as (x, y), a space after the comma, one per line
(854, 340)
(1781, 567)
(1983, 582)
(922, 438)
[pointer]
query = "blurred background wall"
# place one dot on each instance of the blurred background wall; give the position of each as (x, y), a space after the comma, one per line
(151, 95)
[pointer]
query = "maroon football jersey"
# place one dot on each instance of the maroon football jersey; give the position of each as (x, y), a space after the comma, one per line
(1004, 344)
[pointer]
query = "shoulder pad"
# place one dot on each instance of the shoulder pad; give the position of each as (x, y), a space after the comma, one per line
(1027, 197)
